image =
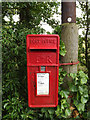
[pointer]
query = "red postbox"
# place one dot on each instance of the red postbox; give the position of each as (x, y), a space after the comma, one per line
(42, 70)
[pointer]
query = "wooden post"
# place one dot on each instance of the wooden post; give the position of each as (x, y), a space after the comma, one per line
(69, 35)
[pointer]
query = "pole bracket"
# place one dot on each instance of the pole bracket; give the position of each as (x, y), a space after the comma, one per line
(72, 63)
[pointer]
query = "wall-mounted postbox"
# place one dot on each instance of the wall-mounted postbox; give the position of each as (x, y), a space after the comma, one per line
(42, 70)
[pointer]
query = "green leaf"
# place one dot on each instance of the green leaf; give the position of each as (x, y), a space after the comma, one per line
(67, 112)
(81, 90)
(83, 99)
(63, 52)
(46, 114)
(31, 117)
(83, 75)
(85, 95)
(51, 111)
(64, 73)
(5, 105)
(62, 106)
(78, 96)
(75, 102)
(43, 110)
(73, 88)
(41, 115)
(51, 116)
(60, 69)
(80, 107)
(76, 81)
(63, 101)
(58, 107)
(88, 114)
(73, 75)
(83, 81)
(64, 94)
(6, 116)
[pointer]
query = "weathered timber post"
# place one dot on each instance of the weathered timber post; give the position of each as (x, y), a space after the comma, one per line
(69, 35)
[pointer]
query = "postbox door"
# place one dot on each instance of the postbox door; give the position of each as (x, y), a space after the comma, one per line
(42, 70)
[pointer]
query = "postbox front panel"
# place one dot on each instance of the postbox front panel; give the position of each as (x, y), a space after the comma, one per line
(42, 70)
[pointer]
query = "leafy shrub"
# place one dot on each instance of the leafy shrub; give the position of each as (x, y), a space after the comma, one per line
(78, 91)
(15, 97)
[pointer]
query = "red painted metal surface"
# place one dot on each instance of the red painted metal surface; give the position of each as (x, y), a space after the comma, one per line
(42, 50)
(73, 63)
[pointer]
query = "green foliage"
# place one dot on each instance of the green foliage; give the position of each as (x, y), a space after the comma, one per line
(15, 98)
(84, 39)
(77, 89)
(14, 73)
(15, 104)
(57, 30)
(62, 48)
(31, 13)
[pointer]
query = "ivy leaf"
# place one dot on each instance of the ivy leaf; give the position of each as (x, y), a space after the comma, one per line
(60, 69)
(83, 75)
(46, 115)
(73, 88)
(64, 73)
(86, 95)
(73, 75)
(80, 107)
(67, 112)
(43, 110)
(83, 81)
(76, 82)
(51, 111)
(88, 114)
(31, 117)
(78, 96)
(63, 101)
(58, 108)
(64, 93)
(57, 112)
(51, 116)
(83, 99)
(62, 106)
(81, 90)
(75, 102)
(62, 52)
(41, 115)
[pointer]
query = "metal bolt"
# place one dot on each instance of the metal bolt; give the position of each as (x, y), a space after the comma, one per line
(69, 19)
